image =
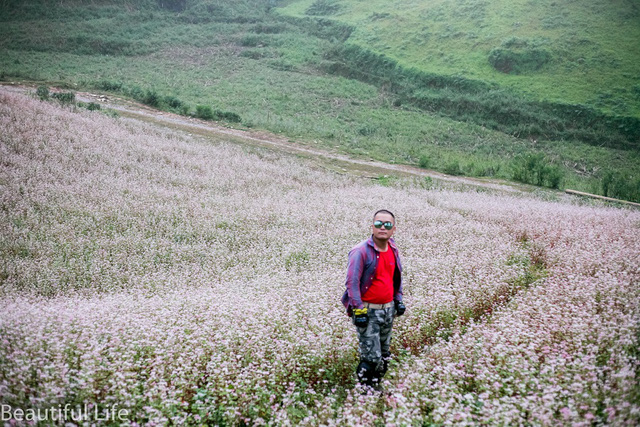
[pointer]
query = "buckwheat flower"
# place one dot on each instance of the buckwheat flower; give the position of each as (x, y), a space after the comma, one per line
(137, 272)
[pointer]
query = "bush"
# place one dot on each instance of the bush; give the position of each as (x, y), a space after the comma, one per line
(453, 168)
(535, 169)
(620, 186)
(65, 98)
(204, 112)
(227, 116)
(518, 61)
(173, 102)
(517, 56)
(151, 98)
(108, 85)
(92, 106)
(147, 97)
(136, 93)
(43, 93)
(424, 161)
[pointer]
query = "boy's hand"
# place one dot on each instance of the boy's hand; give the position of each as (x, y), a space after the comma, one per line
(400, 308)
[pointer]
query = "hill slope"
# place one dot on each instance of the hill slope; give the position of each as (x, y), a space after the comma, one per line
(554, 50)
(250, 64)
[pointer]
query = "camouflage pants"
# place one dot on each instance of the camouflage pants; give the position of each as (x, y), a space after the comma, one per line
(375, 339)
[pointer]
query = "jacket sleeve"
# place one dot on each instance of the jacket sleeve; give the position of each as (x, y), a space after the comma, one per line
(354, 274)
(397, 279)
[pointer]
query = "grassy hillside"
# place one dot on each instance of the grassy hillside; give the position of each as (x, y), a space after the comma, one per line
(250, 64)
(560, 50)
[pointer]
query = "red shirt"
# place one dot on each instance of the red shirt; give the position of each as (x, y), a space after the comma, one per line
(381, 290)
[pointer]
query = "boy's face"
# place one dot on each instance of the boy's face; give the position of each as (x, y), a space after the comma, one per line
(382, 233)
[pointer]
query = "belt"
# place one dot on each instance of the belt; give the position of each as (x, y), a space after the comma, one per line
(377, 306)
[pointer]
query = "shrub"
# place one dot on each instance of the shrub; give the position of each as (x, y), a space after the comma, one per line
(204, 112)
(554, 176)
(43, 93)
(227, 116)
(136, 93)
(607, 182)
(65, 98)
(173, 102)
(92, 106)
(517, 56)
(151, 98)
(518, 61)
(620, 186)
(453, 168)
(108, 85)
(424, 161)
(535, 169)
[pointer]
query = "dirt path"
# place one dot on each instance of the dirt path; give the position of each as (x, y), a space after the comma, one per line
(329, 159)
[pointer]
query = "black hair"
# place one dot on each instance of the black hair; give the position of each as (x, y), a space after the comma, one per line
(384, 211)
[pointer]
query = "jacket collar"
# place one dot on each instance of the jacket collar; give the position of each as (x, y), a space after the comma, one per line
(392, 243)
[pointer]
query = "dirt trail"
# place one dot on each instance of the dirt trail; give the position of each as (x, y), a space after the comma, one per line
(332, 160)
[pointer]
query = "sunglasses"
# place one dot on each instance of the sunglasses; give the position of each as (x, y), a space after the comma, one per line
(387, 224)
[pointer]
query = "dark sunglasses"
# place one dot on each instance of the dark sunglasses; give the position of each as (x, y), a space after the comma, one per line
(387, 224)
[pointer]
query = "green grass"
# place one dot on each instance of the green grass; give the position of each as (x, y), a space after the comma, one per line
(239, 58)
(593, 45)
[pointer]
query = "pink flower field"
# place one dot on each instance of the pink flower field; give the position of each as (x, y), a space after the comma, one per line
(194, 281)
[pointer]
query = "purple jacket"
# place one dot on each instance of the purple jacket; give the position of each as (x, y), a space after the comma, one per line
(363, 261)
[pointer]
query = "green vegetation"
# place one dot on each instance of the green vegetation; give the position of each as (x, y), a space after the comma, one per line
(348, 76)
(65, 98)
(518, 56)
(618, 185)
(534, 169)
(482, 104)
(68, 99)
(43, 93)
(569, 52)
